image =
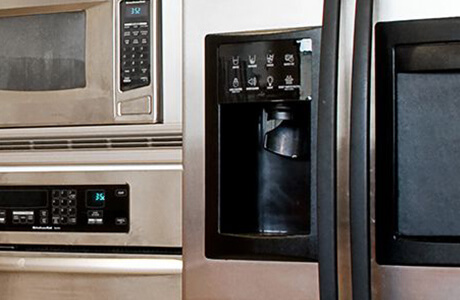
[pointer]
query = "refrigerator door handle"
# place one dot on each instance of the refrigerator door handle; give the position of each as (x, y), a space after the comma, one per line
(101, 266)
(359, 152)
(327, 142)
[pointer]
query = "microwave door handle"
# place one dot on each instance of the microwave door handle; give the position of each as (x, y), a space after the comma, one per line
(360, 152)
(100, 266)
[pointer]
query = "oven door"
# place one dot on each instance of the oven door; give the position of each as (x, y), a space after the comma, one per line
(154, 207)
(62, 64)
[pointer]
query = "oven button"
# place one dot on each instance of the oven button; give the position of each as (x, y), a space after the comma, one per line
(56, 220)
(121, 221)
(44, 213)
(43, 221)
(72, 195)
(2, 220)
(121, 193)
(95, 214)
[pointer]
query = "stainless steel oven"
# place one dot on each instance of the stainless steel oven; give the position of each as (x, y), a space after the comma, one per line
(80, 62)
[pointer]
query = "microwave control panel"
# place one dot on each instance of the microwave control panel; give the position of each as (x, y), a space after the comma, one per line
(135, 61)
(75, 208)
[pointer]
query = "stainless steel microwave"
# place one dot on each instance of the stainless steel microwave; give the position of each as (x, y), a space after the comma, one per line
(79, 62)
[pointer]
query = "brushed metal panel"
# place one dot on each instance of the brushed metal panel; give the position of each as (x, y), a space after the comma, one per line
(155, 205)
(219, 279)
(398, 282)
(343, 148)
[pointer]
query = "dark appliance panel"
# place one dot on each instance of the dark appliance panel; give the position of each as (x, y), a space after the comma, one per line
(417, 142)
(261, 124)
(76, 208)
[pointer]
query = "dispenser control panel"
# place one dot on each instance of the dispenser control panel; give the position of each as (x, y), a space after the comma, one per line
(266, 70)
(74, 208)
(135, 44)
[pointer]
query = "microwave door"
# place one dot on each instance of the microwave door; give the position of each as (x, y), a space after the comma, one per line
(404, 191)
(251, 191)
(63, 63)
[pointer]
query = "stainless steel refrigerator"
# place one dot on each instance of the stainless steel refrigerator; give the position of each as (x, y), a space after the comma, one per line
(266, 149)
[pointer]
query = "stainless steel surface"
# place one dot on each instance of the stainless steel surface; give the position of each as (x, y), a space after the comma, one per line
(96, 104)
(155, 203)
(157, 278)
(207, 279)
(396, 282)
(343, 148)
(77, 265)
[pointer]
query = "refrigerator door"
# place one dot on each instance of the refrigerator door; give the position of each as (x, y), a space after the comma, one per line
(432, 271)
(214, 278)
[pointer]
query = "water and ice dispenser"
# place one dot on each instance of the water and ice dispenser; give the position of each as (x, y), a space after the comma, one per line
(261, 138)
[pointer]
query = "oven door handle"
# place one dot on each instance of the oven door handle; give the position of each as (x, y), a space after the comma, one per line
(110, 266)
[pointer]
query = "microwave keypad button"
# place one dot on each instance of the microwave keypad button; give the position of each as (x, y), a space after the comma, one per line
(72, 194)
(127, 41)
(91, 221)
(136, 42)
(64, 202)
(135, 32)
(23, 219)
(56, 193)
(2, 213)
(63, 220)
(44, 213)
(15, 219)
(72, 212)
(56, 211)
(30, 219)
(2, 220)
(72, 221)
(63, 211)
(99, 221)
(43, 221)
(127, 33)
(56, 220)
(144, 32)
(72, 203)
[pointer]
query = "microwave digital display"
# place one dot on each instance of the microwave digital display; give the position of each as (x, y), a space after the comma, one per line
(137, 10)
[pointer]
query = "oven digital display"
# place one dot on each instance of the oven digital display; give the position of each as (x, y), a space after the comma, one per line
(137, 10)
(95, 198)
(23, 199)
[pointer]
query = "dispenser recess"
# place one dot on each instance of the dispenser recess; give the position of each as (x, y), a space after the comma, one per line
(261, 123)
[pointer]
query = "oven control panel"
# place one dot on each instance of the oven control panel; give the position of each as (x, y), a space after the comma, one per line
(135, 44)
(76, 208)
